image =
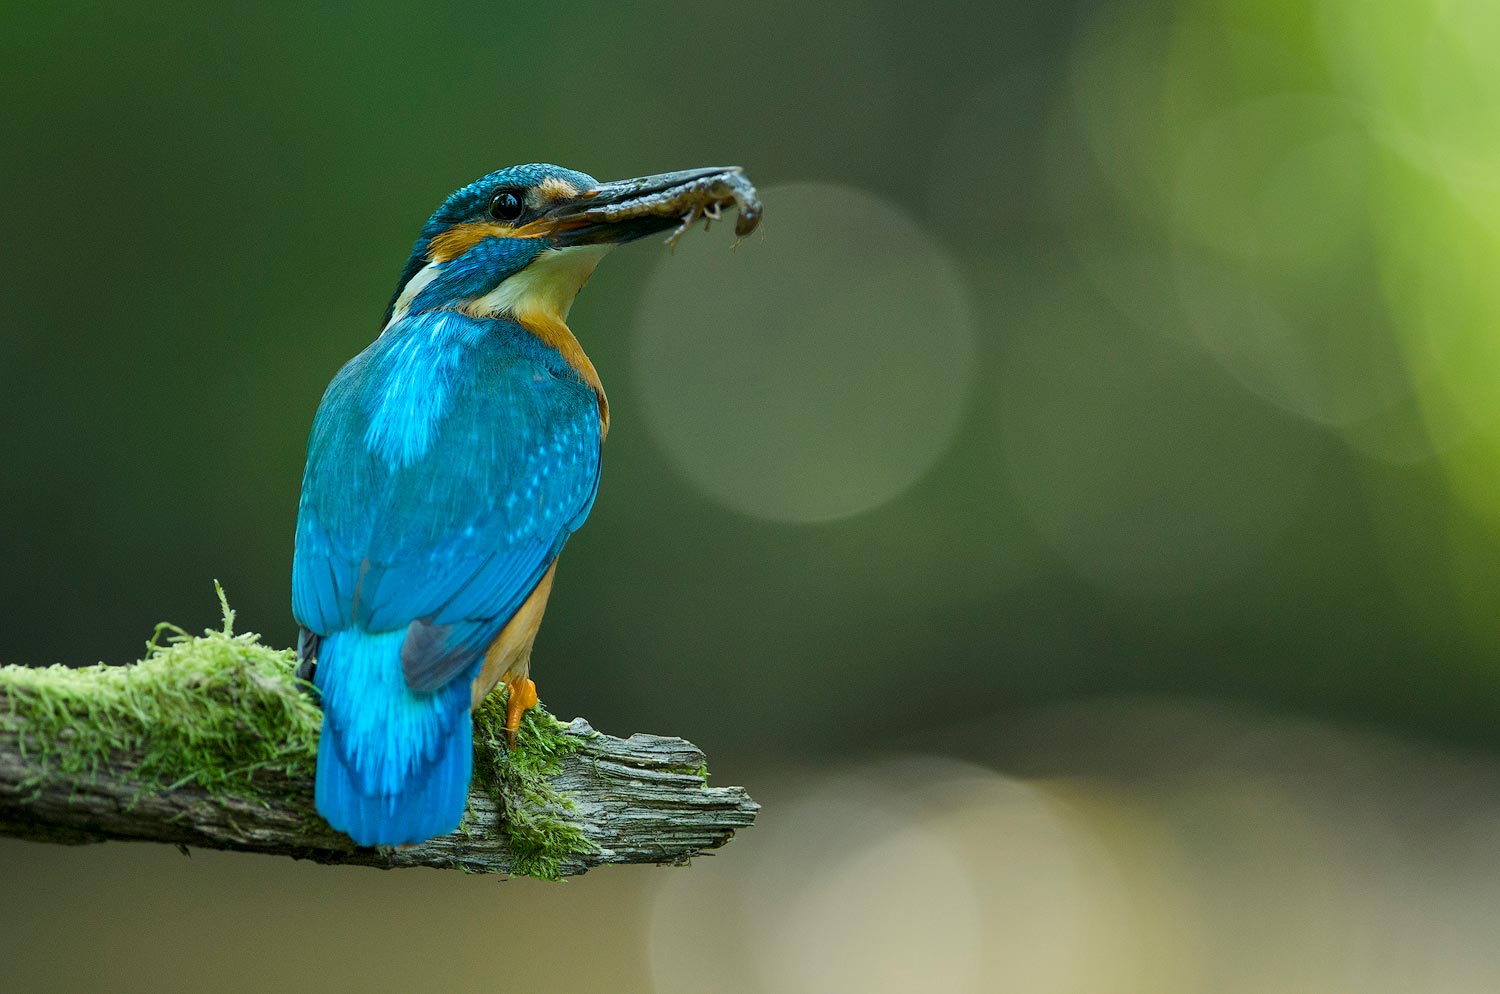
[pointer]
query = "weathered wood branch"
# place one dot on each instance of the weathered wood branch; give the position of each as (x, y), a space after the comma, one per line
(638, 800)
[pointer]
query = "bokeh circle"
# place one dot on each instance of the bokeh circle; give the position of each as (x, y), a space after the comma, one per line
(814, 373)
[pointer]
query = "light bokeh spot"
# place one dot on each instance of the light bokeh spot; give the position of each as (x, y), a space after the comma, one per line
(817, 371)
(906, 875)
(904, 900)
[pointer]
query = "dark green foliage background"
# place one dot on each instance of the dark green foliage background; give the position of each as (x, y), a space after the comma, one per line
(204, 212)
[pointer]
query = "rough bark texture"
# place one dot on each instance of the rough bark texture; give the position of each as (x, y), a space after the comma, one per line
(637, 800)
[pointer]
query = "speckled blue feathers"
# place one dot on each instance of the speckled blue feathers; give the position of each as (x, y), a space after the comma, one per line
(448, 464)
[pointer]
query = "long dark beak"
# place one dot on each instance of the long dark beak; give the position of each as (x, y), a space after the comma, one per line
(628, 209)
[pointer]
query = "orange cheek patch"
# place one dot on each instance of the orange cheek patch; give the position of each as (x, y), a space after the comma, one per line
(460, 238)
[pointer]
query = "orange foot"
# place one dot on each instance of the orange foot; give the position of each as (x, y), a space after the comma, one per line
(522, 699)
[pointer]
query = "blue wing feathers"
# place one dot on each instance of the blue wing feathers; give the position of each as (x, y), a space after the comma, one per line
(467, 529)
(448, 464)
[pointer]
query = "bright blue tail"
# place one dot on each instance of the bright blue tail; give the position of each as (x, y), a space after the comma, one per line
(393, 764)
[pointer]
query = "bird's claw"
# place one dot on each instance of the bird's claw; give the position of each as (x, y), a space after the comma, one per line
(522, 699)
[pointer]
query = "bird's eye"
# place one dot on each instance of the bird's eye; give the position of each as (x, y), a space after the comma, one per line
(506, 205)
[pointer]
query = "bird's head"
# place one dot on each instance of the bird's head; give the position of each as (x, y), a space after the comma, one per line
(521, 241)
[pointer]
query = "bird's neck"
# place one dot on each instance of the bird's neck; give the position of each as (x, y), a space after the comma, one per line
(538, 298)
(542, 292)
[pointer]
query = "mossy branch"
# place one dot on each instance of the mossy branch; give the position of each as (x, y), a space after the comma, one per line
(210, 741)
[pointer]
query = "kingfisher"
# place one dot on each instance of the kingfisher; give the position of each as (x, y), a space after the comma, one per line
(447, 466)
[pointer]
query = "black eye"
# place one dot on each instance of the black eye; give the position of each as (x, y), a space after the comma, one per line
(507, 205)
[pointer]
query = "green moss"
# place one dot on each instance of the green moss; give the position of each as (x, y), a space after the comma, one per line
(220, 710)
(537, 815)
(214, 711)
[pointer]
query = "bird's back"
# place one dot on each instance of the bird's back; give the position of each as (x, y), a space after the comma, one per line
(448, 464)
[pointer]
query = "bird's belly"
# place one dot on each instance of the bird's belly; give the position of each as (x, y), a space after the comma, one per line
(509, 655)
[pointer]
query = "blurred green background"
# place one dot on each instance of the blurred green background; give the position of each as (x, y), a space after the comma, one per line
(1108, 413)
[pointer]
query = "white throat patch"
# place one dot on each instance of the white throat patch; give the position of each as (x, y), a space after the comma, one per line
(414, 286)
(545, 289)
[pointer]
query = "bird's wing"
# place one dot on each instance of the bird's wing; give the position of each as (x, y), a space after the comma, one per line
(447, 529)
